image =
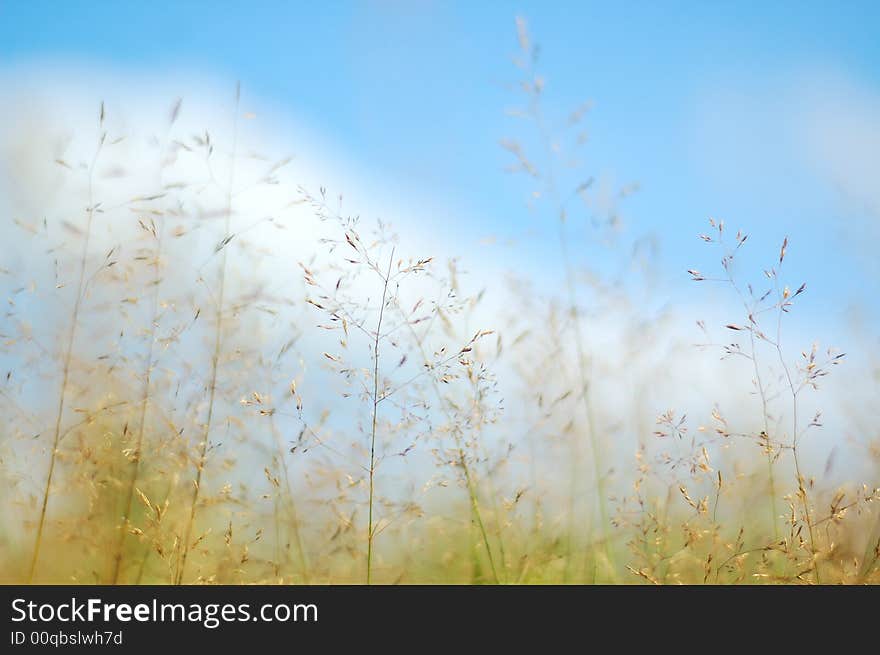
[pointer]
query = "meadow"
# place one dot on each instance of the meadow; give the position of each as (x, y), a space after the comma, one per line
(213, 372)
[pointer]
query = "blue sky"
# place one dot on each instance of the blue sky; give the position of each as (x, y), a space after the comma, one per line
(741, 111)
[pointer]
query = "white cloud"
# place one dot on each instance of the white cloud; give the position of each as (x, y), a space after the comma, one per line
(769, 134)
(52, 115)
(839, 125)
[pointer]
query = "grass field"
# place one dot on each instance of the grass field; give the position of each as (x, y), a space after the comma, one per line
(213, 373)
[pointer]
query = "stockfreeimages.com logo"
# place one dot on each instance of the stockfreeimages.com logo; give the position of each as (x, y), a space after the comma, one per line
(209, 615)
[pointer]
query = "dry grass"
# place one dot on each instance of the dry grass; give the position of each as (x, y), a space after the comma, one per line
(175, 414)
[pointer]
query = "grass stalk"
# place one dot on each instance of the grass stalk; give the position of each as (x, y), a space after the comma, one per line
(762, 392)
(145, 401)
(68, 353)
(375, 416)
(215, 354)
(574, 316)
(159, 229)
(794, 390)
(293, 513)
(458, 439)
